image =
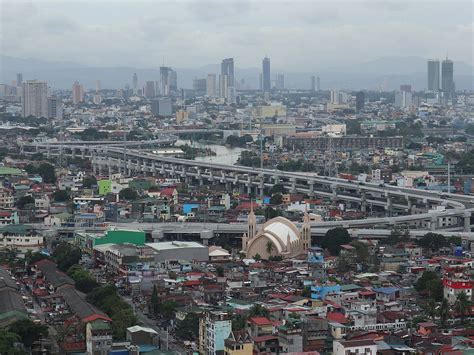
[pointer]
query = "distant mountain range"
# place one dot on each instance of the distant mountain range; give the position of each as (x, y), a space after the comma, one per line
(386, 73)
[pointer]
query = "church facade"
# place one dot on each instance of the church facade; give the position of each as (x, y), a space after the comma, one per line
(277, 237)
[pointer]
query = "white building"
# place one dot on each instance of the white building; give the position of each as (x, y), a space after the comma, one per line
(35, 98)
(211, 85)
(214, 329)
(353, 347)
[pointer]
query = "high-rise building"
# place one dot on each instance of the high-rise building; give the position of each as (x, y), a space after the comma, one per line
(98, 85)
(227, 68)
(338, 97)
(405, 87)
(55, 107)
(173, 81)
(77, 93)
(150, 89)
(433, 75)
(214, 328)
(211, 85)
(164, 81)
(224, 86)
(161, 107)
(403, 99)
(318, 84)
(280, 82)
(447, 78)
(19, 79)
(267, 82)
(34, 98)
(313, 83)
(135, 83)
(200, 86)
(360, 101)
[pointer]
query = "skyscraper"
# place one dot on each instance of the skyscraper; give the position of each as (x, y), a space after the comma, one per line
(98, 85)
(360, 101)
(433, 75)
(447, 78)
(227, 68)
(224, 86)
(267, 82)
(35, 98)
(280, 82)
(19, 79)
(318, 84)
(313, 83)
(200, 86)
(173, 81)
(164, 81)
(150, 89)
(55, 109)
(135, 83)
(77, 93)
(211, 85)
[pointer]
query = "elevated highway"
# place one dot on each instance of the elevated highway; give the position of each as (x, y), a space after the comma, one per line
(419, 208)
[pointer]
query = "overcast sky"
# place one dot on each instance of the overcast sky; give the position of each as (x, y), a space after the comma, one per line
(303, 35)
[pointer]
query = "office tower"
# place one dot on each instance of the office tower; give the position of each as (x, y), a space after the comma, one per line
(261, 81)
(224, 86)
(318, 84)
(77, 93)
(35, 98)
(338, 97)
(360, 101)
(227, 68)
(135, 83)
(98, 85)
(211, 85)
(280, 82)
(150, 89)
(173, 81)
(161, 107)
(200, 86)
(403, 99)
(433, 75)
(267, 82)
(19, 79)
(55, 109)
(447, 78)
(405, 87)
(313, 83)
(168, 81)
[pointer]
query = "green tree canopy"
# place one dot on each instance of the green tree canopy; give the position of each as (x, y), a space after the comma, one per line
(89, 181)
(28, 331)
(66, 255)
(61, 196)
(433, 241)
(188, 328)
(334, 238)
(128, 194)
(25, 200)
(47, 173)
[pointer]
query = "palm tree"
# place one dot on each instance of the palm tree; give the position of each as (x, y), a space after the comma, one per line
(269, 247)
(462, 305)
(443, 312)
(429, 307)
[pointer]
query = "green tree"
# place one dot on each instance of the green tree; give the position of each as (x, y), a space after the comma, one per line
(28, 331)
(167, 309)
(276, 199)
(433, 241)
(89, 181)
(128, 194)
(443, 312)
(362, 251)
(83, 279)
(66, 255)
(469, 129)
(258, 310)
(462, 305)
(334, 238)
(239, 322)
(154, 301)
(24, 201)
(47, 173)
(7, 339)
(429, 308)
(220, 271)
(188, 328)
(61, 196)
(269, 247)
(257, 257)
(431, 284)
(278, 189)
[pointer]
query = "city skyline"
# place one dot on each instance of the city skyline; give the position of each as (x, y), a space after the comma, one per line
(335, 29)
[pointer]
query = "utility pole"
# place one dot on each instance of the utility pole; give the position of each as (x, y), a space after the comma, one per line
(330, 167)
(261, 149)
(449, 176)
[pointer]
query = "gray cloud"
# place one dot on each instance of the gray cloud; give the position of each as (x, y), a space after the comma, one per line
(296, 34)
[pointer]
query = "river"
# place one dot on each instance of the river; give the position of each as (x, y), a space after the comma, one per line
(224, 155)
